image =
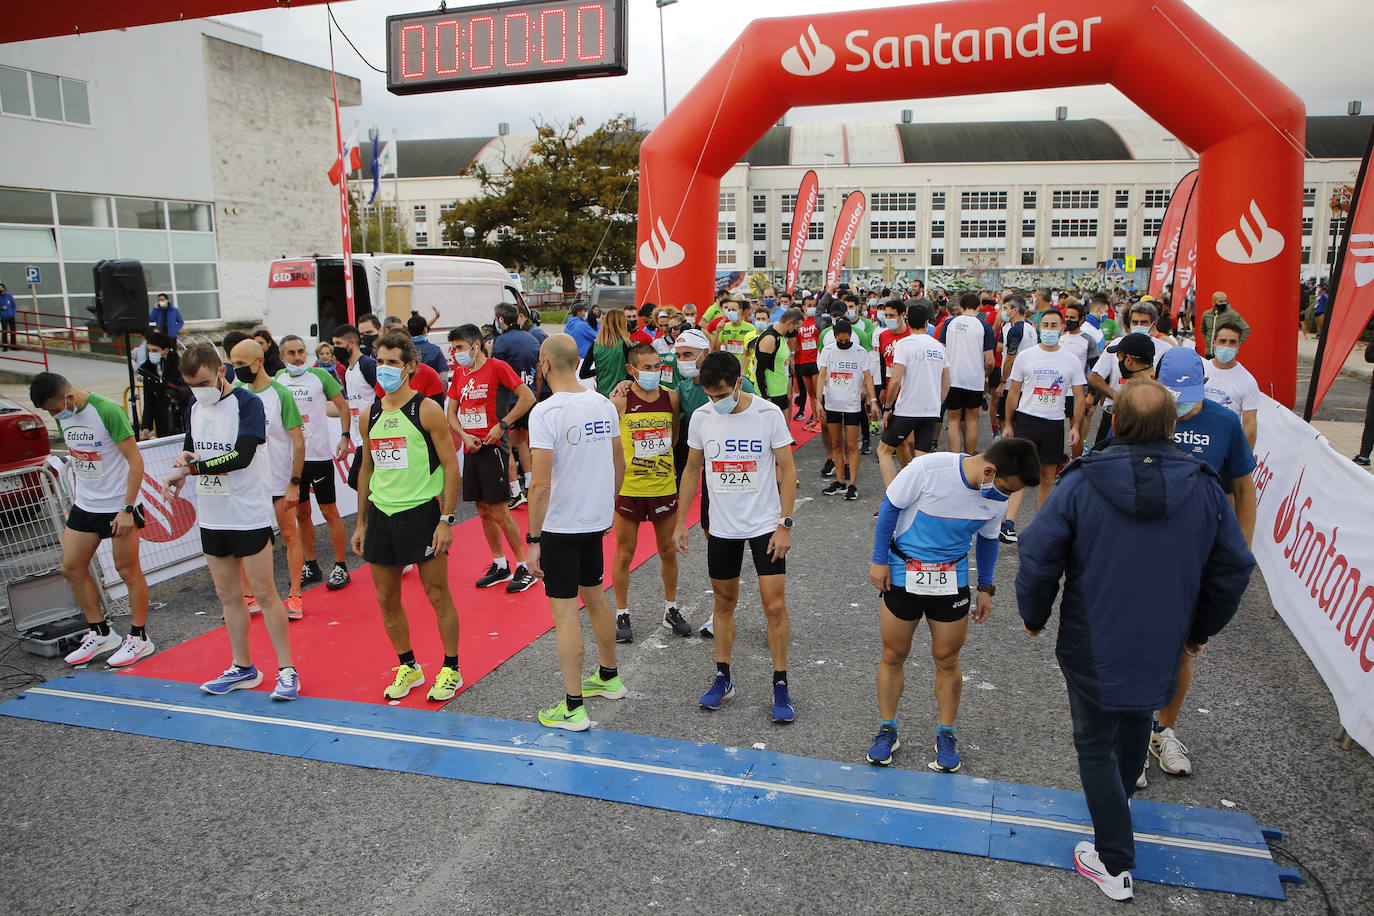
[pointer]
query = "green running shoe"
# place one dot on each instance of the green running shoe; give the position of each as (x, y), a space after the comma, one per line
(559, 717)
(594, 686)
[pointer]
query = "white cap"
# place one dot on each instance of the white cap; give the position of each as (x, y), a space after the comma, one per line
(694, 339)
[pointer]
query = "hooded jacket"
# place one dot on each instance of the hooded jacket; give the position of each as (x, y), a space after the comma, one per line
(1151, 555)
(579, 330)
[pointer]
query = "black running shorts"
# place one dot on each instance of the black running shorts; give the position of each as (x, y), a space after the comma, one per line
(921, 429)
(319, 477)
(1048, 436)
(98, 523)
(725, 557)
(570, 562)
(963, 399)
(401, 539)
(217, 542)
(486, 475)
(939, 608)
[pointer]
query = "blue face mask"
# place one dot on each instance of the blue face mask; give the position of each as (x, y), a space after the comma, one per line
(649, 380)
(890, 323)
(64, 414)
(851, 314)
(761, 324)
(464, 358)
(990, 491)
(731, 315)
(389, 377)
(1226, 354)
(297, 371)
(770, 302)
(1184, 407)
(156, 358)
(1049, 338)
(726, 405)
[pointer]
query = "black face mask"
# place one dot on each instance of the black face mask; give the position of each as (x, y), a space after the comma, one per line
(1223, 306)
(369, 339)
(1071, 325)
(632, 325)
(792, 333)
(341, 355)
(844, 344)
(1125, 373)
(244, 374)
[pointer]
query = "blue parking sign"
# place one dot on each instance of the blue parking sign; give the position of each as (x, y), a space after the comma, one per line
(32, 275)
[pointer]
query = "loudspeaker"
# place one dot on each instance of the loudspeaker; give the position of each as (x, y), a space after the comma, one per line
(121, 297)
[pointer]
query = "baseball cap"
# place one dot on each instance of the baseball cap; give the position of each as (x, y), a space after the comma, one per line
(1138, 345)
(694, 339)
(1180, 370)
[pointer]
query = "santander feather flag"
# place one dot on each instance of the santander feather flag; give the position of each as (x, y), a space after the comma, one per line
(1352, 298)
(1167, 245)
(846, 230)
(801, 225)
(350, 158)
(1185, 264)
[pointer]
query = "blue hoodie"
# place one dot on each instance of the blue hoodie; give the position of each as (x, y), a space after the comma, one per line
(1151, 555)
(576, 327)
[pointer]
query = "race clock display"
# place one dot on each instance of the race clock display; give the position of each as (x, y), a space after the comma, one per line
(504, 44)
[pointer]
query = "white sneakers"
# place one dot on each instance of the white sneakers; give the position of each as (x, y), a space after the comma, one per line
(93, 644)
(134, 648)
(1117, 887)
(1170, 752)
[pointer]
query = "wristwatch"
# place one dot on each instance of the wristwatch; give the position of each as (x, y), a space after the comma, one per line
(449, 519)
(126, 509)
(504, 425)
(989, 589)
(532, 538)
(785, 522)
(295, 481)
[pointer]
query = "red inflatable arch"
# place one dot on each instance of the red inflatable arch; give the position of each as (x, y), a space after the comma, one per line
(1247, 127)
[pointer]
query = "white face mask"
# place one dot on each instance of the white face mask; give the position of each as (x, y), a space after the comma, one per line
(296, 371)
(208, 396)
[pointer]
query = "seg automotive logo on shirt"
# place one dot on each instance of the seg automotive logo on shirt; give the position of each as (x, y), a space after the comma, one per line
(591, 431)
(1024, 40)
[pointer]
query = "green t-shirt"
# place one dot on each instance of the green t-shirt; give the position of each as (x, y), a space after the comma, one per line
(736, 339)
(1110, 329)
(691, 396)
(610, 367)
(863, 332)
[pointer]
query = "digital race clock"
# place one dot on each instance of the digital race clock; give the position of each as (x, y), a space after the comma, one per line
(505, 43)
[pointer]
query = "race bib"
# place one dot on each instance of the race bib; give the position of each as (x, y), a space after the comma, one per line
(1048, 398)
(652, 443)
(808, 345)
(735, 476)
(842, 381)
(666, 376)
(473, 419)
(87, 465)
(933, 579)
(390, 454)
(734, 347)
(212, 485)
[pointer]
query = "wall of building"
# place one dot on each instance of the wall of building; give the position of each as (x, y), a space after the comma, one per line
(271, 129)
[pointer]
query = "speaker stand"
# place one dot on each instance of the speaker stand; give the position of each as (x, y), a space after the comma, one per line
(133, 383)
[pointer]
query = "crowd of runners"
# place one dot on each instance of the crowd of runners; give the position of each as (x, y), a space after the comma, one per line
(624, 420)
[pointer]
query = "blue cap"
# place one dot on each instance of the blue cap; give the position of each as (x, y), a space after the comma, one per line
(1180, 370)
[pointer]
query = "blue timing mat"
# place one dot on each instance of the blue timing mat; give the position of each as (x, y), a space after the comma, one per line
(1188, 847)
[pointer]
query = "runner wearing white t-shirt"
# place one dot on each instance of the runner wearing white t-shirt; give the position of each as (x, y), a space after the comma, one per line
(742, 443)
(285, 453)
(579, 467)
(969, 345)
(360, 380)
(846, 374)
(1229, 383)
(915, 392)
(1142, 320)
(1041, 382)
(107, 471)
(314, 389)
(225, 431)
(1076, 340)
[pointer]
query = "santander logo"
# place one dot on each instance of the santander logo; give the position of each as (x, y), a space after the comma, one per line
(1361, 248)
(659, 251)
(1254, 241)
(809, 56)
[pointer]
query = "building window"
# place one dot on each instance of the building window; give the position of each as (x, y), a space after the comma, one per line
(1307, 225)
(1119, 228)
(1307, 255)
(1027, 228)
(1157, 198)
(894, 201)
(760, 232)
(760, 259)
(727, 201)
(1027, 257)
(1073, 228)
(44, 96)
(1123, 197)
(421, 238)
(983, 228)
(814, 231)
(725, 231)
(1150, 228)
(760, 203)
(445, 209)
(726, 256)
(937, 200)
(789, 203)
(983, 200)
(1074, 200)
(1027, 200)
(937, 258)
(892, 235)
(1309, 197)
(1118, 252)
(419, 212)
(937, 229)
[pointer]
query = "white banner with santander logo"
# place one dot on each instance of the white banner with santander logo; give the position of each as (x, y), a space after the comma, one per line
(1315, 544)
(170, 542)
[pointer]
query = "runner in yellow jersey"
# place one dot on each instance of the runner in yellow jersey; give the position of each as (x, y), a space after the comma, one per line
(736, 336)
(648, 428)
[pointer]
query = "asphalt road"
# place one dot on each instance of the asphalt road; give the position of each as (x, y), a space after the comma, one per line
(116, 823)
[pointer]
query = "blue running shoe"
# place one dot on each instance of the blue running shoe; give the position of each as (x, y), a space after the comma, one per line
(946, 753)
(234, 678)
(884, 743)
(721, 690)
(782, 704)
(288, 685)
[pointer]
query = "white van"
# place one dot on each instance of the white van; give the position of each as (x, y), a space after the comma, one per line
(305, 296)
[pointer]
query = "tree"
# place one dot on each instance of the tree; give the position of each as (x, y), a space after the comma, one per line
(572, 200)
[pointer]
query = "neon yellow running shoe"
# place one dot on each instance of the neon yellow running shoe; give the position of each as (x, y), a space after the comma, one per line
(559, 717)
(407, 677)
(594, 686)
(446, 684)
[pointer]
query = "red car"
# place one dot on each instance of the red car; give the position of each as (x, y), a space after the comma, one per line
(23, 444)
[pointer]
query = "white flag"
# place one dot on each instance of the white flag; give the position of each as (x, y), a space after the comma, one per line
(386, 161)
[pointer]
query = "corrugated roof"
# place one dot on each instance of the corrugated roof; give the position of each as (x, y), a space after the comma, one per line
(1338, 137)
(1012, 141)
(773, 148)
(431, 158)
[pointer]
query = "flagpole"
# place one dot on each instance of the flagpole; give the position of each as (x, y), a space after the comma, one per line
(343, 183)
(396, 184)
(1335, 281)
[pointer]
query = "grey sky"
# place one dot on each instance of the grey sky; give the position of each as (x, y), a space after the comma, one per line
(1297, 42)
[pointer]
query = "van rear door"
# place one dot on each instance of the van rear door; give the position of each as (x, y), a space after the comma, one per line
(291, 301)
(331, 309)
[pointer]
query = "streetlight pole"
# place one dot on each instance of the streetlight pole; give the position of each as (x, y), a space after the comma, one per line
(662, 54)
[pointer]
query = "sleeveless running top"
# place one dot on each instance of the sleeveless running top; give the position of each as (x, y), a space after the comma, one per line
(646, 435)
(774, 380)
(405, 466)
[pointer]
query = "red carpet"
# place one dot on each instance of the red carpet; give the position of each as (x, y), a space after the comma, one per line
(342, 651)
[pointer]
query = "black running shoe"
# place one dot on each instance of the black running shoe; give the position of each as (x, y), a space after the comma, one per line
(852, 493)
(834, 487)
(338, 578)
(495, 575)
(828, 469)
(310, 573)
(522, 580)
(866, 448)
(622, 628)
(672, 619)
(799, 414)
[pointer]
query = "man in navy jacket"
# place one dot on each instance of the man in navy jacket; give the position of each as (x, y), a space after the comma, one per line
(1121, 636)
